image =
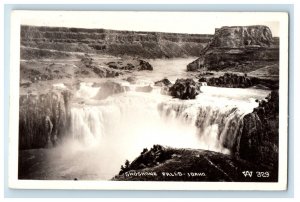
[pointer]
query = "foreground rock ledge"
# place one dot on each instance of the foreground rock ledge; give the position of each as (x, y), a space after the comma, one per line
(170, 164)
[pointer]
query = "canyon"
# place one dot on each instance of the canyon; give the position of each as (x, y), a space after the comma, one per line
(98, 97)
(44, 42)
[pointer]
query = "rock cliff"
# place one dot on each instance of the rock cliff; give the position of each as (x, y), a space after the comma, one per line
(59, 42)
(259, 136)
(43, 119)
(238, 46)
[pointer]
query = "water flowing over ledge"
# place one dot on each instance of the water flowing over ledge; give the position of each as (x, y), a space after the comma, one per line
(101, 132)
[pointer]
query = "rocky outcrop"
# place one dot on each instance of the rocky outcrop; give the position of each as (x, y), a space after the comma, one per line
(230, 80)
(170, 164)
(138, 65)
(44, 42)
(259, 137)
(163, 82)
(101, 71)
(185, 89)
(43, 119)
(144, 65)
(237, 46)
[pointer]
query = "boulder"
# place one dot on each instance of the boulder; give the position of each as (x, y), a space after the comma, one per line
(185, 89)
(134, 64)
(163, 82)
(144, 65)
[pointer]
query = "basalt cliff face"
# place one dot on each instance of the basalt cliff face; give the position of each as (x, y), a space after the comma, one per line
(59, 42)
(43, 119)
(259, 137)
(238, 46)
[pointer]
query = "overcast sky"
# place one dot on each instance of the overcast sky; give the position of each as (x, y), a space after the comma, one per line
(177, 22)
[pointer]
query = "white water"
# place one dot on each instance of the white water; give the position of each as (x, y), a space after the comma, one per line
(104, 133)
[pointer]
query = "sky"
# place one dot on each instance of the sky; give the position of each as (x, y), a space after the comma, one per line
(176, 22)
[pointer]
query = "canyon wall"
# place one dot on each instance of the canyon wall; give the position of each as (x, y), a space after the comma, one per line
(43, 119)
(259, 137)
(43, 41)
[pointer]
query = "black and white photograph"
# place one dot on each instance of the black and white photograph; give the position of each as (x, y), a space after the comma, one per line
(149, 97)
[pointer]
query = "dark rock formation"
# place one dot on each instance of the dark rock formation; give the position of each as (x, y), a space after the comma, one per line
(144, 65)
(170, 164)
(163, 82)
(259, 137)
(43, 119)
(230, 80)
(237, 46)
(102, 72)
(38, 41)
(109, 88)
(120, 65)
(185, 89)
(138, 65)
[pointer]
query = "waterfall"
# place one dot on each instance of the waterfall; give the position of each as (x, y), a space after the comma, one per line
(133, 120)
(86, 90)
(87, 125)
(216, 128)
(106, 132)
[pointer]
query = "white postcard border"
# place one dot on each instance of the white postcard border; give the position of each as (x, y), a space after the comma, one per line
(14, 182)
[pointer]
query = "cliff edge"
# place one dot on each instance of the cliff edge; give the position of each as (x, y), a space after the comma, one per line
(61, 41)
(238, 47)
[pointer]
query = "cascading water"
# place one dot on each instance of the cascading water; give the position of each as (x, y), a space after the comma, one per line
(104, 133)
(120, 126)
